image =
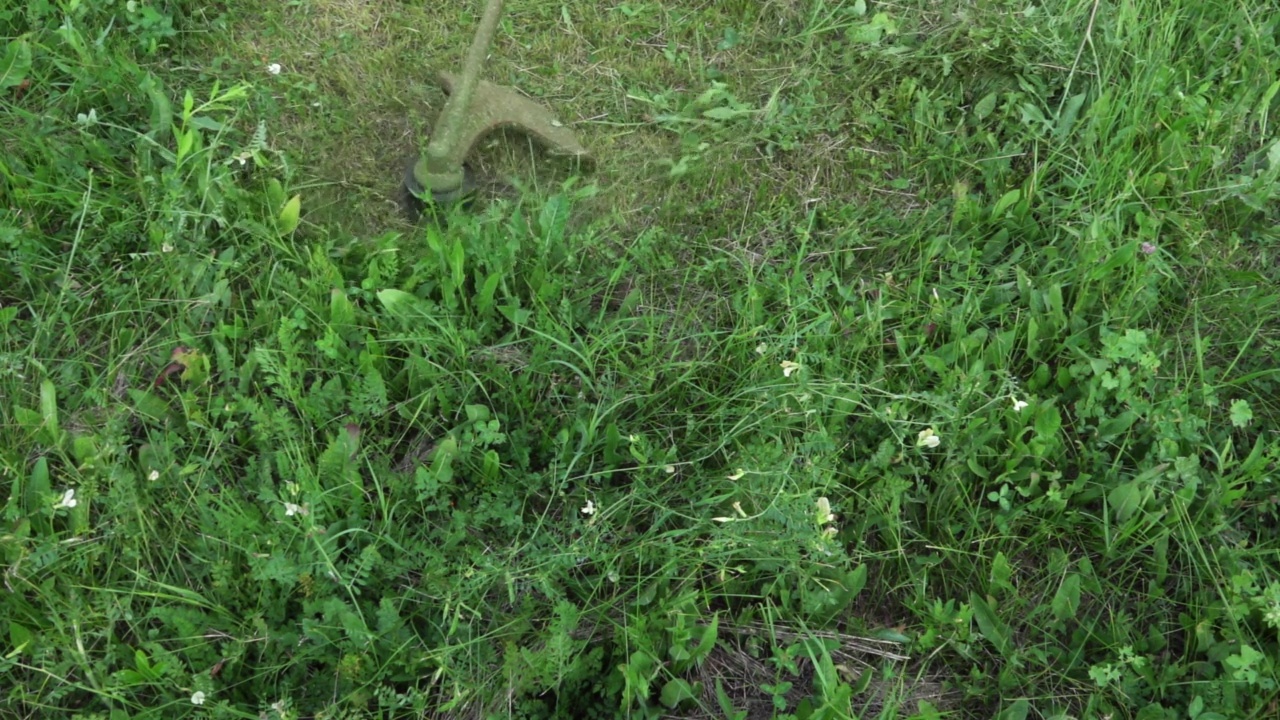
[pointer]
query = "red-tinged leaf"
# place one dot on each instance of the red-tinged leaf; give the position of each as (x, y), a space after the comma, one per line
(169, 370)
(193, 366)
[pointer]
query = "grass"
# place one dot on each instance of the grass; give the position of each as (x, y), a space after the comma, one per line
(900, 359)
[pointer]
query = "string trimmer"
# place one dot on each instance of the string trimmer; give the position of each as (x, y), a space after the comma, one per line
(475, 108)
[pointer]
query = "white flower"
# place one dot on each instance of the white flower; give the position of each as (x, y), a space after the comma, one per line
(68, 500)
(762, 349)
(274, 68)
(1018, 405)
(295, 509)
(928, 438)
(154, 475)
(737, 506)
(670, 469)
(197, 697)
(788, 367)
(166, 248)
(737, 475)
(825, 515)
(589, 508)
(1272, 616)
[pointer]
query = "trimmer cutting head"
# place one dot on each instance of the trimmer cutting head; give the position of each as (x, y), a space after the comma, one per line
(439, 176)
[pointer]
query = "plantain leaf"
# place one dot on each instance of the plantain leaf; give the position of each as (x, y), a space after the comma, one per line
(1067, 600)
(15, 64)
(989, 624)
(985, 106)
(289, 214)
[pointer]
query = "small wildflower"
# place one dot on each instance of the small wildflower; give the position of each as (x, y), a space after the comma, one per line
(295, 509)
(1148, 248)
(738, 474)
(788, 367)
(167, 248)
(274, 68)
(154, 475)
(68, 500)
(928, 438)
(197, 697)
(1272, 616)
(669, 469)
(737, 507)
(825, 516)
(1018, 405)
(762, 349)
(589, 509)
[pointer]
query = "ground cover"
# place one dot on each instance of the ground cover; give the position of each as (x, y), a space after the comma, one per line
(904, 359)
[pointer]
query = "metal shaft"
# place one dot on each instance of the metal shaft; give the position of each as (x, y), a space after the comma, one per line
(444, 156)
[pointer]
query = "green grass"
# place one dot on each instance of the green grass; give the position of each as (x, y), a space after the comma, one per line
(908, 359)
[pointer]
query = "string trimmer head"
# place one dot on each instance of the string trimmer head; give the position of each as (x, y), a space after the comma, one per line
(440, 176)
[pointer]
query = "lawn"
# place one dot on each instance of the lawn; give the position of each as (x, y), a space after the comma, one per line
(913, 359)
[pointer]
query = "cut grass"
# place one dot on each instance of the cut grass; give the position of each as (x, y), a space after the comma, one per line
(611, 72)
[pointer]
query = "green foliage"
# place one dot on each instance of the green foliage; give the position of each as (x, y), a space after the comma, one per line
(538, 463)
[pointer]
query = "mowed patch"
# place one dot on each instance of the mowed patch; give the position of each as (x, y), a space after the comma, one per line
(714, 117)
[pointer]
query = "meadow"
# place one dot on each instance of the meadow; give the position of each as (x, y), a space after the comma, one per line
(912, 359)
